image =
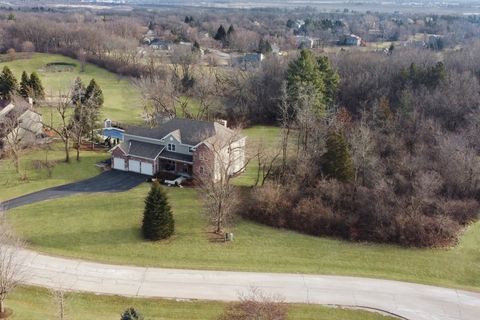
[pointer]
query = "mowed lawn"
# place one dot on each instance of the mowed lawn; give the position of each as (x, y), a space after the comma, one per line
(34, 175)
(106, 227)
(122, 98)
(37, 304)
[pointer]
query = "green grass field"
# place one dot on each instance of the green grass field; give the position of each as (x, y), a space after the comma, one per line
(12, 184)
(37, 304)
(122, 98)
(105, 227)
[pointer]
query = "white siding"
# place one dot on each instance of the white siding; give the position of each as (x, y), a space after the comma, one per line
(119, 164)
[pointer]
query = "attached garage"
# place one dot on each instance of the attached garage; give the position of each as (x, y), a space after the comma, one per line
(146, 168)
(119, 164)
(134, 166)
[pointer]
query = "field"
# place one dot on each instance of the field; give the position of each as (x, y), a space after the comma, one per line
(105, 227)
(122, 98)
(37, 304)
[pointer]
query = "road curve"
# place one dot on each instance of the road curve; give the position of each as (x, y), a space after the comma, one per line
(408, 300)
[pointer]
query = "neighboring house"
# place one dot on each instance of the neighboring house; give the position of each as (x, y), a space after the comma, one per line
(304, 42)
(352, 40)
(185, 147)
(19, 124)
(160, 44)
(249, 61)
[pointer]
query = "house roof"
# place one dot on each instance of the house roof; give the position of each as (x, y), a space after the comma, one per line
(144, 149)
(189, 132)
(176, 156)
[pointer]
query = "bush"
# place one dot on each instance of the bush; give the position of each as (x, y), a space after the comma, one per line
(158, 220)
(131, 314)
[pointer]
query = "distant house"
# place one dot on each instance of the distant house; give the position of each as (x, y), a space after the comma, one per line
(351, 40)
(189, 148)
(159, 44)
(304, 42)
(249, 61)
(19, 123)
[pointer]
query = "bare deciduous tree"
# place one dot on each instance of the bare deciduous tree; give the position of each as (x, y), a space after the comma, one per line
(63, 130)
(257, 305)
(12, 270)
(224, 158)
(59, 297)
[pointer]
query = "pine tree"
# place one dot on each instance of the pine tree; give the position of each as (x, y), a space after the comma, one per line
(331, 79)
(131, 314)
(158, 220)
(336, 162)
(78, 91)
(196, 46)
(25, 89)
(221, 34)
(302, 73)
(8, 83)
(94, 94)
(264, 46)
(231, 30)
(36, 86)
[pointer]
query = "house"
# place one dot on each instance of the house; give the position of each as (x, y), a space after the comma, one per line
(249, 61)
(159, 44)
(352, 40)
(184, 147)
(19, 124)
(304, 42)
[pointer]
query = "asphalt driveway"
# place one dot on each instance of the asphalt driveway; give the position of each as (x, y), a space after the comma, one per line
(109, 181)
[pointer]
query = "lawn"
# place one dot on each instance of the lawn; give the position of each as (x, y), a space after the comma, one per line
(37, 304)
(122, 98)
(105, 227)
(265, 135)
(37, 177)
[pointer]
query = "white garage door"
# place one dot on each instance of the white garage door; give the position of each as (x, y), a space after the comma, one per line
(147, 168)
(134, 165)
(119, 164)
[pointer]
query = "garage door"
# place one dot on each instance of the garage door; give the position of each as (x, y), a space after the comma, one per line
(134, 165)
(119, 164)
(147, 168)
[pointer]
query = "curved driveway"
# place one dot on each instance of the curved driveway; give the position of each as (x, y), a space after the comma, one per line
(108, 181)
(408, 300)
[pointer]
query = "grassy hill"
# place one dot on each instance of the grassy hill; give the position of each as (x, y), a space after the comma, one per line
(122, 98)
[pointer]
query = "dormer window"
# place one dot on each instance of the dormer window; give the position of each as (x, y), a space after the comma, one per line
(191, 149)
(171, 147)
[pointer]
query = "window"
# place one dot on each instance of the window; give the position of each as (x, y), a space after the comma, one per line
(201, 157)
(171, 147)
(191, 149)
(202, 170)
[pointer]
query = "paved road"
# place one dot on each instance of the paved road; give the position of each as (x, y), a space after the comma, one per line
(109, 181)
(408, 300)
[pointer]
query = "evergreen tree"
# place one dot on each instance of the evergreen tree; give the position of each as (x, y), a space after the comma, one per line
(93, 94)
(221, 34)
(331, 80)
(8, 83)
(25, 89)
(336, 162)
(264, 46)
(78, 91)
(93, 101)
(158, 220)
(196, 46)
(131, 314)
(36, 86)
(231, 30)
(302, 73)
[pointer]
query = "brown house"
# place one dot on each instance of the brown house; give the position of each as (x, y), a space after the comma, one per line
(189, 148)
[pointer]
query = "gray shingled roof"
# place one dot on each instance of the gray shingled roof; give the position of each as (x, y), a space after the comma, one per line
(191, 132)
(177, 156)
(144, 150)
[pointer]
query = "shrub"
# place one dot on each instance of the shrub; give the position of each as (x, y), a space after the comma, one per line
(131, 314)
(158, 220)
